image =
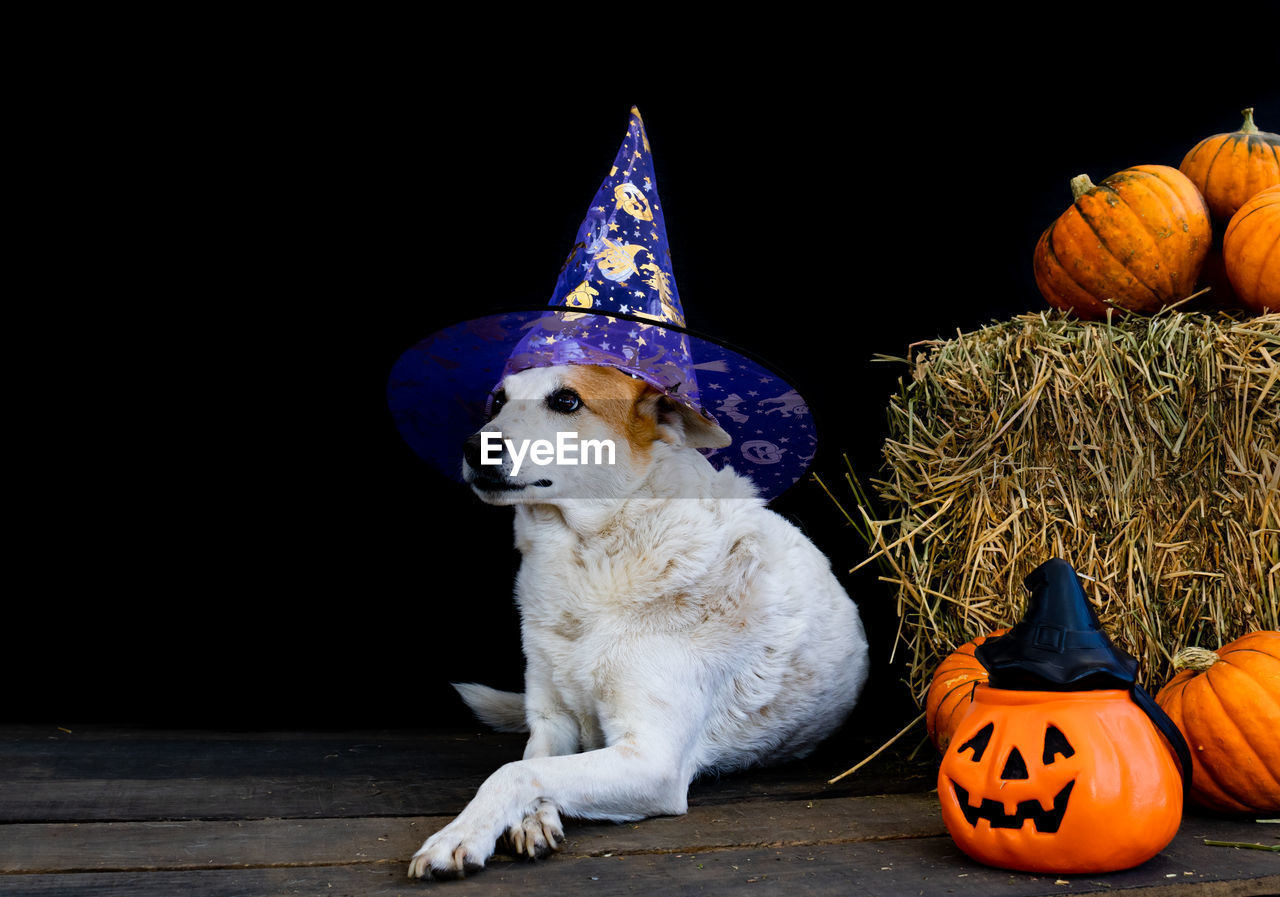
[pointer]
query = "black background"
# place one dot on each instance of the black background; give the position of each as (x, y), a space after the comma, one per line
(220, 526)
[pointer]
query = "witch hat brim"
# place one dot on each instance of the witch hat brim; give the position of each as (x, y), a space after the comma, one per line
(616, 304)
(1059, 644)
(439, 389)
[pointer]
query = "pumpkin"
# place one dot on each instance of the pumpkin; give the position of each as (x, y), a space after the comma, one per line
(1228, 169)
(1059, 781)
(1251, 251)
(1227, 705)
(1134, 242)
(948, 696)
(1059, 763)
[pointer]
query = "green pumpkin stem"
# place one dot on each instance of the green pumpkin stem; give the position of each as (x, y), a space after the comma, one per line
(1248, 127)
(1080, 185)
(1198, 659)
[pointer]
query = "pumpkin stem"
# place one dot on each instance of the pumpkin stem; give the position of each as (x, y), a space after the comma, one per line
(1248, 127)
(1080, 185)
(1198, 659)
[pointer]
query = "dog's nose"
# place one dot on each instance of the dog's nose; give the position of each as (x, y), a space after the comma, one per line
(471, 450)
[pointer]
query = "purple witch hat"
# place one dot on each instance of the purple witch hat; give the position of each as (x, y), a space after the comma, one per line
(615, 303)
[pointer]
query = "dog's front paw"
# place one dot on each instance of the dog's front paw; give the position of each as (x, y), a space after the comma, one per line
(538, 834)
(451, 852)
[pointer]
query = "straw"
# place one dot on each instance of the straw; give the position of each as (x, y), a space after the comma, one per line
(1143, 450)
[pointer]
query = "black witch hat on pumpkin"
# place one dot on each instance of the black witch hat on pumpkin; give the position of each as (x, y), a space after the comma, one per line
(1059, 645)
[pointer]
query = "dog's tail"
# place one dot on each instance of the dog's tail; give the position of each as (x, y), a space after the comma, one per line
(503, 710)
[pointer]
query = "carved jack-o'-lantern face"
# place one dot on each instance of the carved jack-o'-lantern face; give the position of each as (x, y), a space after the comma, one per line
(1059, 782)
(1015, 769)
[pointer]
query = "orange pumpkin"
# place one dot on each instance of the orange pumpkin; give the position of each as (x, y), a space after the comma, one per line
(1227, 705)
(1059, 781)
(1251, 251)
(1135, 242)
(1228, 169)
(952, 686)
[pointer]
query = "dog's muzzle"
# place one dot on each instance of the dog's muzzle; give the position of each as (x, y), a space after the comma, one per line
(490, 477)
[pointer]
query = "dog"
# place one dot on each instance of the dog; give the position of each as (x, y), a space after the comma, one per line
(672, 624)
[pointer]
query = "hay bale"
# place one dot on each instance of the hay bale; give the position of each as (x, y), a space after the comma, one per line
(1145, 451)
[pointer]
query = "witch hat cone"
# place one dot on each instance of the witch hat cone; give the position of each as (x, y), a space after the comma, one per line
(1059, 644)
(615, 302)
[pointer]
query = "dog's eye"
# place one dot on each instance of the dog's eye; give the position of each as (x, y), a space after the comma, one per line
(566, 401)
(499, 399)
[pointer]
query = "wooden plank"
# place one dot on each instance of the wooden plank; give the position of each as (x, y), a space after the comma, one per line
(220, 796)
(115, 775)
(754, 824)
(31, 754)
(926, 867)
(47, 775)
(185, 846)
(349, 810)
(807, 780)
(904, 832)
(93, 800)
(133, 846)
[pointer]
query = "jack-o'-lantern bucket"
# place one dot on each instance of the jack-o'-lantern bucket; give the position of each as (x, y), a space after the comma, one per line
(1062, 762)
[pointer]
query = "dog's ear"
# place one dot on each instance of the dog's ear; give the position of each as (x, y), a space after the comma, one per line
(679, 424)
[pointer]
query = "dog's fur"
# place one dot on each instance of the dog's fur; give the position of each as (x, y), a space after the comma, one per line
(671, 623)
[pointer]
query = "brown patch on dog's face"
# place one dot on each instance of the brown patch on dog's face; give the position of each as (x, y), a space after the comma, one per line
(599, 423)
(619, 400)
(639, 413)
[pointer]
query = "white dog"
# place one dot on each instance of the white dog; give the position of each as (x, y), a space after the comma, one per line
(671, 623)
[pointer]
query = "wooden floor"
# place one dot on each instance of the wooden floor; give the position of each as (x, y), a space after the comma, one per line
(111, 812)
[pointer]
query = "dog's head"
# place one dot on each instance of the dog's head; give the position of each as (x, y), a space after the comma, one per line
(576, 431)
